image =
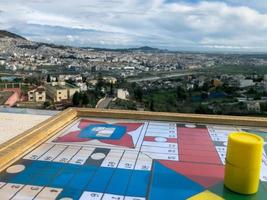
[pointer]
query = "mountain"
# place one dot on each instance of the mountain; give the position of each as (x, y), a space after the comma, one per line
(8, 34)
(35, 45)
(146, 49)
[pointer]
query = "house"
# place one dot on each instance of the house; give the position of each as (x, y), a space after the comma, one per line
(60, 91)
(253, 106)
(37, 94)
(216, 82)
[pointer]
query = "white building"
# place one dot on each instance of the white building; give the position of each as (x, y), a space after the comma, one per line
(122, 94)
(37, 94)
(245, 83)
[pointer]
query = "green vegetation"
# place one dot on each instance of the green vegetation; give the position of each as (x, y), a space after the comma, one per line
(123, 104)
(84, 99)
(235, 69)
(163, 100)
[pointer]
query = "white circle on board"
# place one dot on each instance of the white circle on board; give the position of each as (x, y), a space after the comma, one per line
(15, 169)
(190, 126)
(160, 139)
(98, 156)
(225, 143)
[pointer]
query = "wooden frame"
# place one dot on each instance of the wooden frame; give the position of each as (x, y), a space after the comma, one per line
(25, 142)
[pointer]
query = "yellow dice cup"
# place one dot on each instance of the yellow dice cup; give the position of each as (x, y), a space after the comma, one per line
(243, 162)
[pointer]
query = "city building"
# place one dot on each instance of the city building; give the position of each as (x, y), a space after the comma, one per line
(246, 83)
(37, 94)
(216, 82)
(110, 79)
(60, 91)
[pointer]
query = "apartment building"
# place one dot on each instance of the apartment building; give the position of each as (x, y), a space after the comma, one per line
(37, 94)
(60, 91)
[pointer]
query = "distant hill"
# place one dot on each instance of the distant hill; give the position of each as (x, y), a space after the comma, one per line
(140, 49)
(145, 48)
(4, 34)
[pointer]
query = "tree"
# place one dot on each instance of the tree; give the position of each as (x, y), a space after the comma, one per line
(48, 78)
(264, 106)
(180, 93)
(99, 86)
(204, 95)
(85, 99)
(76, 99)
(206, 86)
(201, 109)
(138, 93)
(47, 104)
(111, 91)
(70, 81)
(151, 106)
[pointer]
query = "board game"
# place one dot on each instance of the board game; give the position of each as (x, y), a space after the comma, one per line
(110, 158)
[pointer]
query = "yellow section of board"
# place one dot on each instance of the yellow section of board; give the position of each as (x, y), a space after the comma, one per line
(206, 195)
(243, 161)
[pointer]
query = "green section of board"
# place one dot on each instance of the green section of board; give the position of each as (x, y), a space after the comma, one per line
(227, 194)
(259, 133)
(264, 184)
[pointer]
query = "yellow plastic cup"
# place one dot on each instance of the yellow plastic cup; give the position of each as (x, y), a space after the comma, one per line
(243, 162)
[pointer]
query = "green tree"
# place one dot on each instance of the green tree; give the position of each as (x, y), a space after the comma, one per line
(180, 93)
(151, 106)
(48, 78)
(206, 86)
(70, 81)
(204, 95)
(76, 99)
(138, 94)
(85, 99)
(47, 104)
(264, 106)
(201, 109)
(111, 91)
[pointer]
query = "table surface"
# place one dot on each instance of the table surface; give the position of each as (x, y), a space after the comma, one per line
(117, 159)
(13, 124)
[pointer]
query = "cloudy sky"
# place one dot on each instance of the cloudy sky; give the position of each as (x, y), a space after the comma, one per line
(211, 25)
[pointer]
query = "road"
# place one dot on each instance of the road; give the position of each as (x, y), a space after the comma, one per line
(104, 102)
(153, 78)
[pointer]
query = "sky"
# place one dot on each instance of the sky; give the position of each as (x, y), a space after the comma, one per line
(211, 25)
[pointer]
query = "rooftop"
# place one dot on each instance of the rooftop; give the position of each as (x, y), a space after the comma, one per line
(64, 86)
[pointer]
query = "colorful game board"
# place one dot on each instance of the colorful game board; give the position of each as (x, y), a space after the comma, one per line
(116, 159)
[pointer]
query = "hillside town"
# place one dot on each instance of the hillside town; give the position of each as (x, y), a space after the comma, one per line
(46, 76)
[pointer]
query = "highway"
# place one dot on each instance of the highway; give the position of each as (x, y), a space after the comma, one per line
(104, 102)
(154, 78)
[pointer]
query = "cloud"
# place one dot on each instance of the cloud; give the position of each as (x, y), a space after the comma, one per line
(173, 24)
